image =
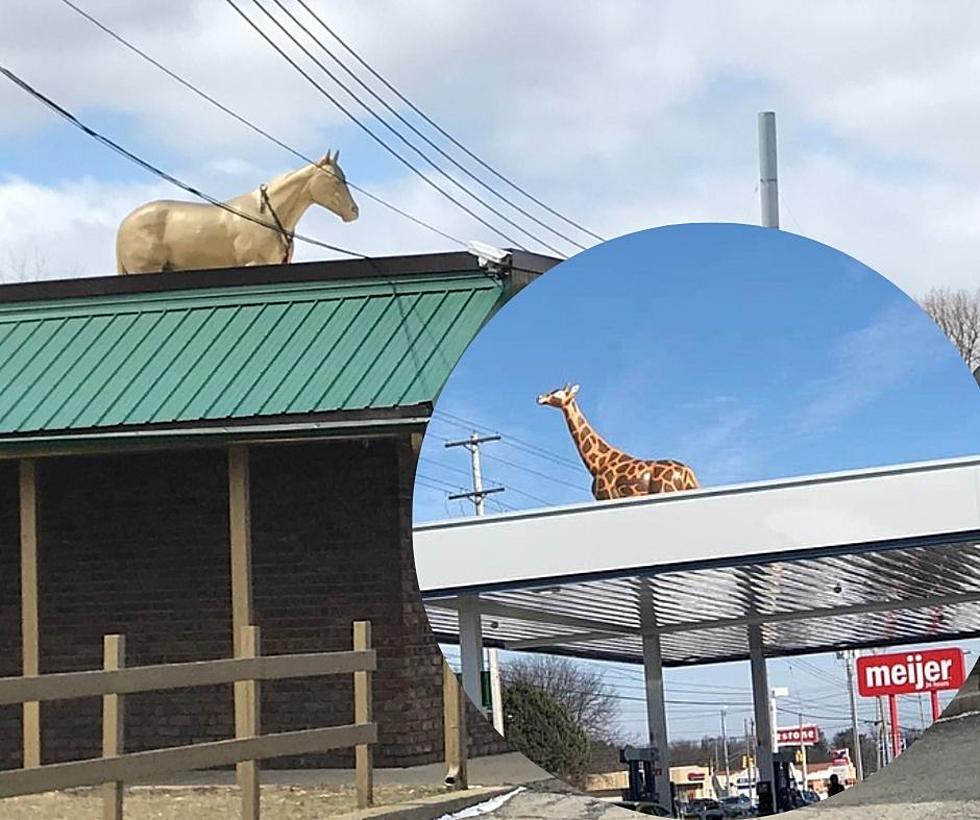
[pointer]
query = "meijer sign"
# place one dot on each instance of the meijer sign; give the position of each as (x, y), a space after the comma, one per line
(906, 673)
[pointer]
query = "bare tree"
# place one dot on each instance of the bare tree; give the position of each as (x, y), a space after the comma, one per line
(579, 688)
(31, 266)
(957, 312)
(22, 267)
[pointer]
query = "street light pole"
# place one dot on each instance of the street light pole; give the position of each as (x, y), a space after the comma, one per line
(768, 182)
(724, 743)
(848, 656)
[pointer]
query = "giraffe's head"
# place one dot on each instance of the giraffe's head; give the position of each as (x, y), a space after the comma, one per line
(560, 397)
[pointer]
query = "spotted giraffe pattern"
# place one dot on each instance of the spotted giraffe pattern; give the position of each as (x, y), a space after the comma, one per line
(616, 474)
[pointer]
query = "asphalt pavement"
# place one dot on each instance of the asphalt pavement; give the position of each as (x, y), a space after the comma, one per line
(547, 800)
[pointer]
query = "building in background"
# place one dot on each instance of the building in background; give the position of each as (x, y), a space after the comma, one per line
(132, 410)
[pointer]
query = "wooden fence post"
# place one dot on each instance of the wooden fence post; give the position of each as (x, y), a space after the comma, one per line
(363, 713)
(454, 725)
(247, 724)
(114, 657)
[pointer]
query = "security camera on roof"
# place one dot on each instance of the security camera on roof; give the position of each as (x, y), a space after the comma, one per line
(488, 253)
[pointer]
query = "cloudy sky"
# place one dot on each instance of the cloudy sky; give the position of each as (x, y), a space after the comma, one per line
(623, 116)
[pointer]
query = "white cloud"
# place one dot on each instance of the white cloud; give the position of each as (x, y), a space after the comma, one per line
(68, 229)
(624, 115)
(867, 362)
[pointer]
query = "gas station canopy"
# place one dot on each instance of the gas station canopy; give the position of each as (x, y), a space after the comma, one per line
(866, 558)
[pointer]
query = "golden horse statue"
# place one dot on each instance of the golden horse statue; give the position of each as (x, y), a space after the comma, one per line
(257, 230)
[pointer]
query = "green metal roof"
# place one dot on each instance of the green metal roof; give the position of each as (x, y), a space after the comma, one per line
(129, 361)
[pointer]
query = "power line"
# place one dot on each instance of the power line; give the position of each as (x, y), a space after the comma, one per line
(508, 462)
(247, 123)
(821, 675)
(535, 472)
(361, 125)
(444, 133)
(478, 494)
(394, 112)
(71, 118)
(533, 497)
(510, 439)
(491, 479)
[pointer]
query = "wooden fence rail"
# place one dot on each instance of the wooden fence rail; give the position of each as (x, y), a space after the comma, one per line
(249, 746)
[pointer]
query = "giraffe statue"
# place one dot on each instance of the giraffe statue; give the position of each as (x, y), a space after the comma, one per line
(616, 474)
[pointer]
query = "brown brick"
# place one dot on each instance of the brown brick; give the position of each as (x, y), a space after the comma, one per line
(138, 544)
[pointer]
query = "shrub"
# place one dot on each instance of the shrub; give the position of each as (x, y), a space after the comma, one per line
(540, 728)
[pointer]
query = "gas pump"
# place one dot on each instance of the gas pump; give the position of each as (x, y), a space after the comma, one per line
(640, 762)
(780, 795)
(783, 777)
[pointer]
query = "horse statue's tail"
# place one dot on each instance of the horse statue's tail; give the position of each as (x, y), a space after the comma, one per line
(120, 267)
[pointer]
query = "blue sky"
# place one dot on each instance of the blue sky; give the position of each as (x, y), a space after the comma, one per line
(749, 353)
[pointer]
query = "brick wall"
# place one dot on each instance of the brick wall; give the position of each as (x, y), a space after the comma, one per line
(138, 544)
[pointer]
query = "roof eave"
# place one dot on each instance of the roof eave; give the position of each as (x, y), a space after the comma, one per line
(523, 267)
(94, 442)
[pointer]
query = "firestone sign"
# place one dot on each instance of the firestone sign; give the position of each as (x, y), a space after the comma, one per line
(807, 735)
(908, 673)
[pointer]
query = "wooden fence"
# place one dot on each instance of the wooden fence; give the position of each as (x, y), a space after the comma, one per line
(454, 729)
(249, 746)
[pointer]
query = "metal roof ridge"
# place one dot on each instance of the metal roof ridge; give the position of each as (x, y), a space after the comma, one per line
(704, 492)
(265, 293)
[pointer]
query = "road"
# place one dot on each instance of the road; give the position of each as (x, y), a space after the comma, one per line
(550, 800)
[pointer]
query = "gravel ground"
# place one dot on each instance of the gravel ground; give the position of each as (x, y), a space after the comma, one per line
(938, 778)
(211, 803)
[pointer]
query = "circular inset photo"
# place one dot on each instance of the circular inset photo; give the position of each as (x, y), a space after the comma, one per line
(697, 522)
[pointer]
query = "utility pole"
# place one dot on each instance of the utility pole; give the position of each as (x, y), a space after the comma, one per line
(724, 745)
(803, 754)
(848, 656)
(476, 496)
(768, 183)
(883, 735)
(478, 493)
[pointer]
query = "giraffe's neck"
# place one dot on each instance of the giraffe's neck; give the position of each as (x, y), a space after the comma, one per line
(592, 448)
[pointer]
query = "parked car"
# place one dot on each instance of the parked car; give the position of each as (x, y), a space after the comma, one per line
(704, 808)
(642, 807)
(739, 806)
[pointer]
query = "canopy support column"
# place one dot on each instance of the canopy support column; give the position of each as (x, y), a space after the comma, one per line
(653, 676)
(764, 730)
(471, 647)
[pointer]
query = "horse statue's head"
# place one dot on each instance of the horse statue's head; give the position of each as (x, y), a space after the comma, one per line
(328, 188)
